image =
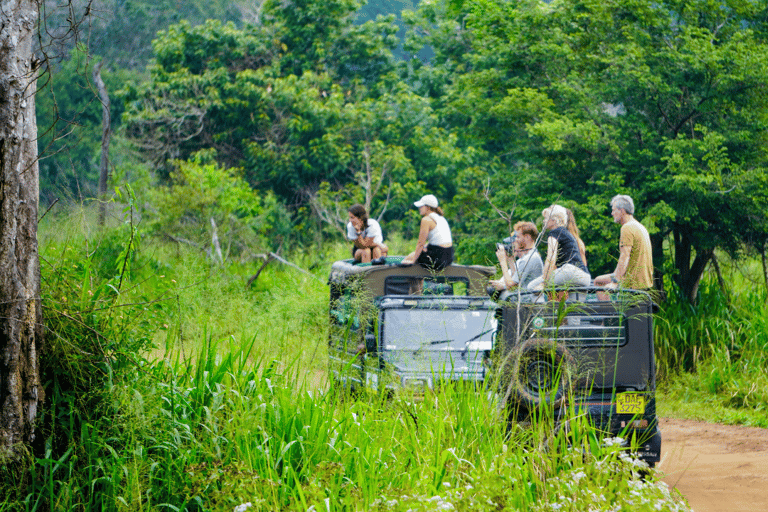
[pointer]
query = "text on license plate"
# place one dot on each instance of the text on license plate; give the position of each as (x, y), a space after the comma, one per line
(630, 403)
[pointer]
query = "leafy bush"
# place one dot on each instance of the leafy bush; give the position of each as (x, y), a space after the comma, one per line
(204, 202)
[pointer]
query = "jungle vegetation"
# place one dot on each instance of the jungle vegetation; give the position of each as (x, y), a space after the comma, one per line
(176, 381)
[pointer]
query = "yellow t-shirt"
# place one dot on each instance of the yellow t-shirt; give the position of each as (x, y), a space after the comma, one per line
(639, 273)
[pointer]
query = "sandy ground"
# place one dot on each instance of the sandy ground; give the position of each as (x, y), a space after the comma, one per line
(718, 468)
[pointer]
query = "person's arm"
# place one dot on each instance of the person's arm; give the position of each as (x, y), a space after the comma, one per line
(355, 232)
(621, 267)
(551, 262)
(364, 242)
(426, 226)
(506, 276)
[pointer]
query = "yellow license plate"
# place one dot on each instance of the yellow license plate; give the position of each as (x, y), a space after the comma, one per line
(630, 403)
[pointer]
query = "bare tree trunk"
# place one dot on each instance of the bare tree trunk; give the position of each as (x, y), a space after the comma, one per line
(105, 136)
(216, 248)
(20, 318)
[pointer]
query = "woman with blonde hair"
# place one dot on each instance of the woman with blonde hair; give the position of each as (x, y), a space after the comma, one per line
(574, 230)
(563, 265)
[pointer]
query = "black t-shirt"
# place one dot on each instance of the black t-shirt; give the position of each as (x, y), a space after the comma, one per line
(567, 248)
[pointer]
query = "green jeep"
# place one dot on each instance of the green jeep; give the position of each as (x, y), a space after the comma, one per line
(580, 352)
(394, 326)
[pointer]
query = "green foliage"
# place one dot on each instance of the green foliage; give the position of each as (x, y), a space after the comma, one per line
(583, 100)
(203, 200)
(219, 87)
(208, 422)
(69, 119)
(121, 32)
(321, 37)
(712, 355)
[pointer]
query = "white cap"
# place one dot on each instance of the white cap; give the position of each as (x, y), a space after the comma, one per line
(427, 200)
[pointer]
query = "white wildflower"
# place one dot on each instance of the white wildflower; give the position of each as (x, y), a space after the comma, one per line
(243, 507)
(578, 475)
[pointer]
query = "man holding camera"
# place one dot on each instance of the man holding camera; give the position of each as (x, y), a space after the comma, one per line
(528, 265)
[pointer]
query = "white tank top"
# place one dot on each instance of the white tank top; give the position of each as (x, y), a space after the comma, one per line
(441, 233)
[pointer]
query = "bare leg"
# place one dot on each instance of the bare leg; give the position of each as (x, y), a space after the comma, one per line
(605, 282)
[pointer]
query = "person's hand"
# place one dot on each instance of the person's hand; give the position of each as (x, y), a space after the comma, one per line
(501, 253)
(498, 284)
(407, 261)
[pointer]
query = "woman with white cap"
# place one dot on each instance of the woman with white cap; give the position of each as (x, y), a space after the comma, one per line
(434, 250)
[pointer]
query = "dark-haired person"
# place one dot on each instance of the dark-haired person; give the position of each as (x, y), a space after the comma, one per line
(365, 235)
(434, 250)
(528, 265)
(635, 266)
(563, 265)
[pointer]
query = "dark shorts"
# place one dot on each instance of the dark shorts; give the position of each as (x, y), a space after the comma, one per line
(435, 257)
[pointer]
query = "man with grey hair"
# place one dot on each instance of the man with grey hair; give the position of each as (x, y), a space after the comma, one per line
(635, 266)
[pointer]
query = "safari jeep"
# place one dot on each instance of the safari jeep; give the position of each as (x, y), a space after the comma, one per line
(394, 326)
(585, 354)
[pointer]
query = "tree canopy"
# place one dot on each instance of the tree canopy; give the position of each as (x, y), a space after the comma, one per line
(520, 104)
(664, 101)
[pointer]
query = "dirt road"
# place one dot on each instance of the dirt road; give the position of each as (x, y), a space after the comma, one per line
(718, 468)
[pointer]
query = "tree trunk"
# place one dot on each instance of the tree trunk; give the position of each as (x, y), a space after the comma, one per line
(689, 273)
(693, 278)
(20, 318)
(105, 136)
(657, 245)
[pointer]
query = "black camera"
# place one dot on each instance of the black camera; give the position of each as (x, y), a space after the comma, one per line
(509, 243)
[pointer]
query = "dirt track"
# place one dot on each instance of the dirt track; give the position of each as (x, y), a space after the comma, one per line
(718, 468)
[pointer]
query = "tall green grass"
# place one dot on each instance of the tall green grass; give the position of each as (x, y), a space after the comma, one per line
(713, 356)
(172, 386)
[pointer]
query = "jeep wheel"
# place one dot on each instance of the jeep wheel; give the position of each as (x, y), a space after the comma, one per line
(540, 372)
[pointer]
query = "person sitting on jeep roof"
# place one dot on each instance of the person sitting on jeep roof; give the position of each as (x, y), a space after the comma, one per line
(563, 265)
(635, 266)
(528, 265)
(434, 250)
(365, 235)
